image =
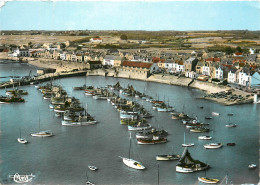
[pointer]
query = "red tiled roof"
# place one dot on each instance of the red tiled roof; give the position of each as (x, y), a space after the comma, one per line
(33, 51)
(237, 60)
(180, 62)
(157, 59)
(238, 53)
(137, 64)
(96, 38)
(213, 59)
(5, 50)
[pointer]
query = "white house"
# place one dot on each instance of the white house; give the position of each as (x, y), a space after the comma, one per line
(63, 56)
(219, 73)
(168, 65)
(96, 40)
(244, 78)
(190, 74)
(232, 75)
(109, 60)
(21, 53)
(206, 70)
(251, 51)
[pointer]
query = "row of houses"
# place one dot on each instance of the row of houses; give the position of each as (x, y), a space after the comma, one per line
(237, 69)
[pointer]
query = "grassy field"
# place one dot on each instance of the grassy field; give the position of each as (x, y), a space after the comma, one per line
(155, 39)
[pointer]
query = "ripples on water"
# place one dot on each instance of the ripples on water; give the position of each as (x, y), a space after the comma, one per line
(63, 159)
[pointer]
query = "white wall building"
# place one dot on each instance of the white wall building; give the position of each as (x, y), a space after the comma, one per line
(219, 73)
(96, 40)
(206, 70)
(244, 78)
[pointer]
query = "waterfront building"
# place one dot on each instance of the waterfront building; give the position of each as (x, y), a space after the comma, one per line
(233, 75)
(244, 77)
(131, 69)
(21, 53)
(219, 72)
(80, 57)
(63, 56)
(190, 74)
(168, 65)
(94, 64)
(206, 69)
(190, 64)
(112, 60)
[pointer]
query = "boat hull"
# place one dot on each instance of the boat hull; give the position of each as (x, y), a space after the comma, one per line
(189, 170)
(22, 140)
(208, 180)
(133, 163)
(211, 146)
(167, 157)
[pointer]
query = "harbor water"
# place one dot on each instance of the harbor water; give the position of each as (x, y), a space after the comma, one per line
(63, 158)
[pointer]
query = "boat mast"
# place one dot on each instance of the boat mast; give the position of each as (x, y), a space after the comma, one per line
(158, 174)
(129, 146)
(184, 138)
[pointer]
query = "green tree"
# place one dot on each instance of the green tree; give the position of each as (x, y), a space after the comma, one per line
(123, 37)
(62, 45)
(228, 50)
(79, 47)
(238, 49)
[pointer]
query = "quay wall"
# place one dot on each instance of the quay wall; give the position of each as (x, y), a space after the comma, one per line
(169, 79)
(209, 87)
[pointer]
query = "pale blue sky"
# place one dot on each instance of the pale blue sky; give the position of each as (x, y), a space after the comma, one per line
(131, 15)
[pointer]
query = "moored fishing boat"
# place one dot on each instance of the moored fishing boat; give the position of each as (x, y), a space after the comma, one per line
(199, 129)
(139, 126)
(177, 115)
(215, 114)
(148, 134)
(187, 164)
(79, 121)
(128, 115)
(205, 137)
(153, 140)
(213, 145)
(11, 99)
(231, 125)
(208, 180)
(83, 87)
(169, 157)
(132, 121)
(42, 134)
(16, 92)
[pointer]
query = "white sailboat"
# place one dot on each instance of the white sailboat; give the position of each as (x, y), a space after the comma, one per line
(21, 140)
(187, 144)
(87, 181)
(131, 162)
(46, 133)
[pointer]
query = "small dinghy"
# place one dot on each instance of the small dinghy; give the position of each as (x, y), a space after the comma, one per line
(252, 166)
(93, 168)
